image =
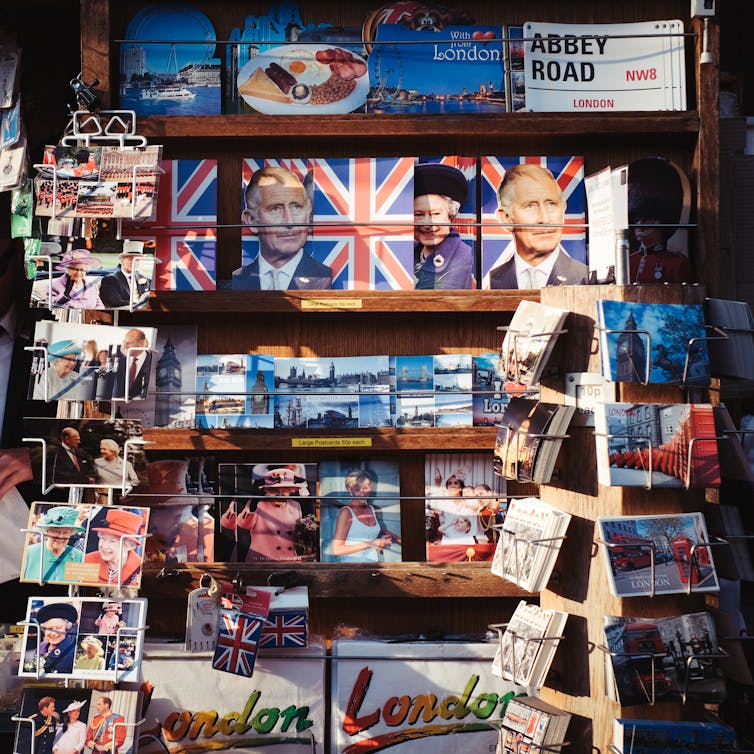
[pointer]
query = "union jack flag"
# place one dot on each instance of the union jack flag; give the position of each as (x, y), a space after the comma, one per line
(237, 642)
(284, 629)
(185, 226)
(568, 172)
(356, 203)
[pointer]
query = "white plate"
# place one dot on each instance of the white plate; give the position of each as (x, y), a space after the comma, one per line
(315, 73)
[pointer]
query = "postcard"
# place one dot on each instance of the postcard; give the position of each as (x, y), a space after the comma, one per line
(98, 453)
(653, 343)
(180, 495)
(172, 402)
(10, 125)
(90, 362)
(85, 279)
(68, 715)
(462, 506)
(267, 512)
(84, 544)
(360, 510)
(362, 213)
(670, 546)
(177, 78)
(184, 233)
(90, 638)
(498, 241)
(457, 69)
(235, 390)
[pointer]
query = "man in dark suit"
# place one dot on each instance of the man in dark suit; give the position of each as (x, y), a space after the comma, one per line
(71, 464)
(279, 208)
(115, 289)
(133, 362)
(532, 203)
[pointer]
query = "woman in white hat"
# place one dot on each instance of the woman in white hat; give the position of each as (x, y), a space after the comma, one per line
(73, 736)
(91, 655)
(72, 290)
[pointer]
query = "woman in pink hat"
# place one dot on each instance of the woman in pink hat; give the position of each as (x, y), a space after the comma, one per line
(72, 290)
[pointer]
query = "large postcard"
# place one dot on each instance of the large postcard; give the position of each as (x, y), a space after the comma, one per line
(605, 67)
(671, 659)
(361, 209)
(558, 184)
(180, 495)
(463, 506)
(656, 445)
(457, 69)
(176, 78)
(82, 279)
(268, 512)
(185, 231)
(84, 637)
(84, 544)
(99, 453)
(234, 390)
(445, 223)
(674, 546)
(73, 362)
(360, 510)
(111, 182)
(172, 402)
(655, 343)
(56, 719)
(304, 79)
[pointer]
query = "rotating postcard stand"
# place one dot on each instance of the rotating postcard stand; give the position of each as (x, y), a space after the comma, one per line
(504, 357)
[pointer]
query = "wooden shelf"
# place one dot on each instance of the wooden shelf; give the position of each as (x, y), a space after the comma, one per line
(428, 439)
(363, 126)
(318, 302)
(340, 580)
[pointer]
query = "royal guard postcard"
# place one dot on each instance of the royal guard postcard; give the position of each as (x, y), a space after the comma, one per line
(83, 637)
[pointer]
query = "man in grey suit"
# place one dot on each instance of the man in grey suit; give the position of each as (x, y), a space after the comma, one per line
(532, 203)
(279, 209)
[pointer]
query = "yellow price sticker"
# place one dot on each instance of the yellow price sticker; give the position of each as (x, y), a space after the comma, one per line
(331, 442)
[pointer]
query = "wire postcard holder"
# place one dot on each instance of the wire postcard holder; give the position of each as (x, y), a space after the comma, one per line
(534, 350)
(521, 465)
(523, 569)
(517, 662)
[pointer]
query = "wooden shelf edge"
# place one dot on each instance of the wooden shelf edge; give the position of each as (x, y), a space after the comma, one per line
(360, 125)
(340, 580)
(388, 438)
(318, 302)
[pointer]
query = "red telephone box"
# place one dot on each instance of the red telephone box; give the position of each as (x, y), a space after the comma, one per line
(682, 556)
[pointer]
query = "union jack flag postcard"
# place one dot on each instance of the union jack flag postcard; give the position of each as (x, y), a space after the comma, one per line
(361, 224)
(185, 228)
(237, 642)
(285, 628)
(497, 240)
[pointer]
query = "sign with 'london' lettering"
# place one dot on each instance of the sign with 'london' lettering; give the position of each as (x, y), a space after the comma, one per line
(198, 709)
(603, 67)
(416, 697)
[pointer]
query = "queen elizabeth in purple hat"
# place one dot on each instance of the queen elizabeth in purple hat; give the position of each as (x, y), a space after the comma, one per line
(72, 290)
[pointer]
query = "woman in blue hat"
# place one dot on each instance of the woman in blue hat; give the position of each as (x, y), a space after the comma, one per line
(47, 560)
(441, 259)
